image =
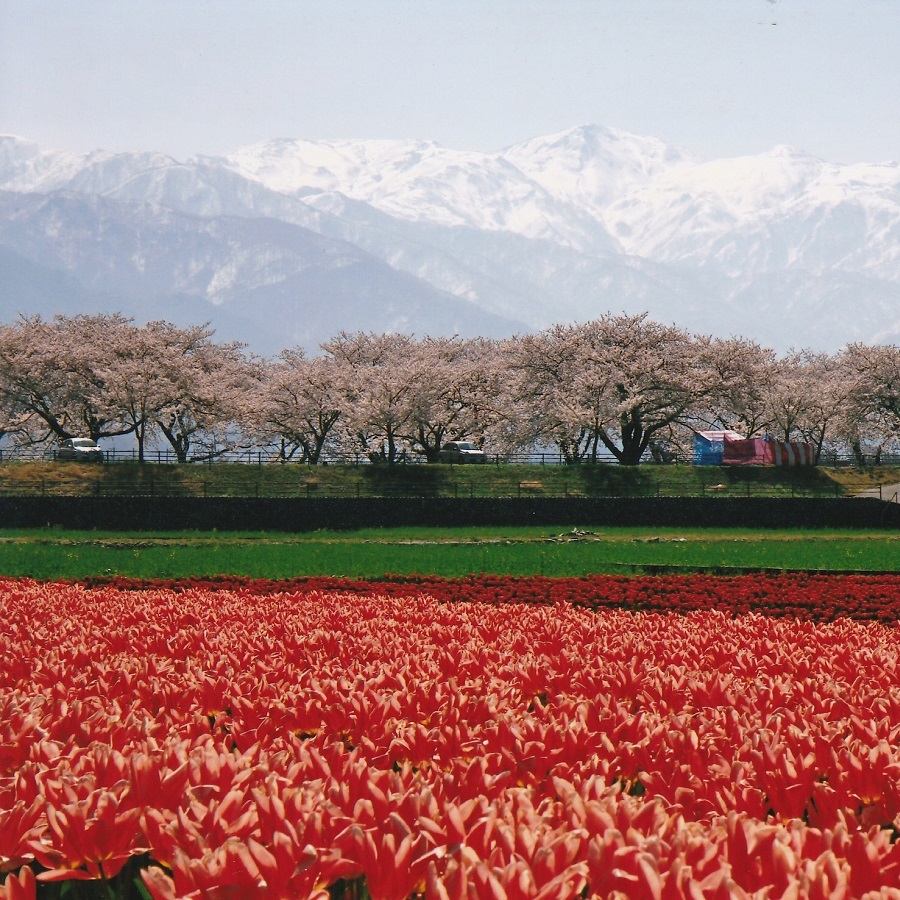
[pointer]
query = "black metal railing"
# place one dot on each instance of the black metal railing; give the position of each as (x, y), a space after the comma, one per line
(261, 457)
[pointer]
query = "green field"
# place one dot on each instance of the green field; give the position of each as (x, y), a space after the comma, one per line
(52, 553)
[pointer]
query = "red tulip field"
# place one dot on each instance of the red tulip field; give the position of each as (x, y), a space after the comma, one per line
(649, 737)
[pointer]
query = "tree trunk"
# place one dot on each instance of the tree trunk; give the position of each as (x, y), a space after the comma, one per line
(179, 441)
(634, 440)
(140, 435)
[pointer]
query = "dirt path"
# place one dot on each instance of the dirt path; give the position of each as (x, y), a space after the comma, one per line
(890, 492)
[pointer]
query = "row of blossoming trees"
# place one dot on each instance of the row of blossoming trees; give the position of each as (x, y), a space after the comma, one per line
(620, 385)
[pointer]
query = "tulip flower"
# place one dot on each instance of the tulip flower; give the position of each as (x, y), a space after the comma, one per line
(88, 839)
(680, 736)
(19, 886)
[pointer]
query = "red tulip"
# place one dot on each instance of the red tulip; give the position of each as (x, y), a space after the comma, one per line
(87, 839)
(21, 886)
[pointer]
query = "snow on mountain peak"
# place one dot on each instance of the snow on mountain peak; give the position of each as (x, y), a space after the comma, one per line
(419, 181)
(593, 165)
(293, 166)
(25, 166)
(553, 228)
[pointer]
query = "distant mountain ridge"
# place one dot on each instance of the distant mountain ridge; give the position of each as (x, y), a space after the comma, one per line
(289, 241)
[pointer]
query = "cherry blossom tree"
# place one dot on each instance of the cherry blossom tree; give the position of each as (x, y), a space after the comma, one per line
(801, 396)
(175, 384)
(822, 404)
(872, 414)
(203, 393)
(511, 420)
(55, 373)
(458, 393)
(102, 376)
(560, 398)
(135, 376)
(878, 370)
(620, 385)
(618, 382)
(400, 395)
(299, 404)
(376, 391)
(13, 418)
(741, 369)
(786, 391)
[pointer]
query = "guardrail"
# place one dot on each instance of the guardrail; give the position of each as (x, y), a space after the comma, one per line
(258, 457)
(261, 457)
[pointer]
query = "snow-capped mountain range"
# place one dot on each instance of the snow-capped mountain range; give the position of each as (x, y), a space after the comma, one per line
(290, 241)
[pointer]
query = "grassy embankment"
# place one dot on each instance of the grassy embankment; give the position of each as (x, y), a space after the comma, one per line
(291, 480)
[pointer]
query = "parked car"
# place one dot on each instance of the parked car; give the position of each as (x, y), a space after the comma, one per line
(79, 448)
(461, 452)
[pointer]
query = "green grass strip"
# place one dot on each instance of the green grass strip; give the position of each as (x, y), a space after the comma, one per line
(51, 554)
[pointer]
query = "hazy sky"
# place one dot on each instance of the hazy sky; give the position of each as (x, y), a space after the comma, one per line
(718, 77)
